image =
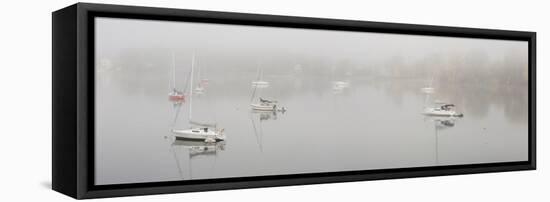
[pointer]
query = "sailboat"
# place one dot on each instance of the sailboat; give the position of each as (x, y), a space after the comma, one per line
(442, 109)
(429, 88)
(201, 84)
(205, 131)
(259, 82)
(438, 108)
(339, 86)
(175, 95)
(264, 105)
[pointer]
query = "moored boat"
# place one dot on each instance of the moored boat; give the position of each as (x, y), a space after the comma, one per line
(175, 95)
(442, 109)
(200, 133)
(206, 132)
(264, 105)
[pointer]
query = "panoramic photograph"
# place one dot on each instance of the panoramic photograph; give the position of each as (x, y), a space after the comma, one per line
(178, 101)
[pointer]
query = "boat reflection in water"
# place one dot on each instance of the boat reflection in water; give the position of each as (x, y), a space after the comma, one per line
(197, 148)
(267, 115)
(261, 116)
(188, 153)
(440, 123)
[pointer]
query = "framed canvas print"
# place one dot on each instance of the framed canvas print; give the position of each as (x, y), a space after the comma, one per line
(155, 100)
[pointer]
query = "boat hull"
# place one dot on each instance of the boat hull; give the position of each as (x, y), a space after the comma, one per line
(260, 107)
(176, 97)
(198, 134)
(442, 113)
(260, 84)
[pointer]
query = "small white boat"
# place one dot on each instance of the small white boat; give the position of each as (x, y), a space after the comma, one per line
(340, 84)
(442, 110)
(428, 90)
(265, 105)
(206, 134)
(260, 84)
(199, 90)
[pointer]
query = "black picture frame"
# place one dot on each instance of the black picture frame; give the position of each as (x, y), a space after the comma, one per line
(73, 100)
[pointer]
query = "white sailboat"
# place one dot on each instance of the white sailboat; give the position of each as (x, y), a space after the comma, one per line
(339, 86)
(175, 95)
(264, 105)
(205, 132)
(429, 88)
(259, 82)
(201, 84)
(442, 109)
(438, 108)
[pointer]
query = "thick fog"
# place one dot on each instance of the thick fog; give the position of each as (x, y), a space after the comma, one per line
(373, 120)
(262, 44)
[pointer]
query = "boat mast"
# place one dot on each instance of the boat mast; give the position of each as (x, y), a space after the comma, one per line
(255, 84)
(199, 74)
(191, 88)
(173, 71)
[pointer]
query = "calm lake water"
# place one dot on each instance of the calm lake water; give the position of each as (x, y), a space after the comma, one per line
(375, 123)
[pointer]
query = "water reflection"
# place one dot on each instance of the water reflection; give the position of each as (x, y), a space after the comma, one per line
(187, 153)
(440, 124)
(257, 118)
